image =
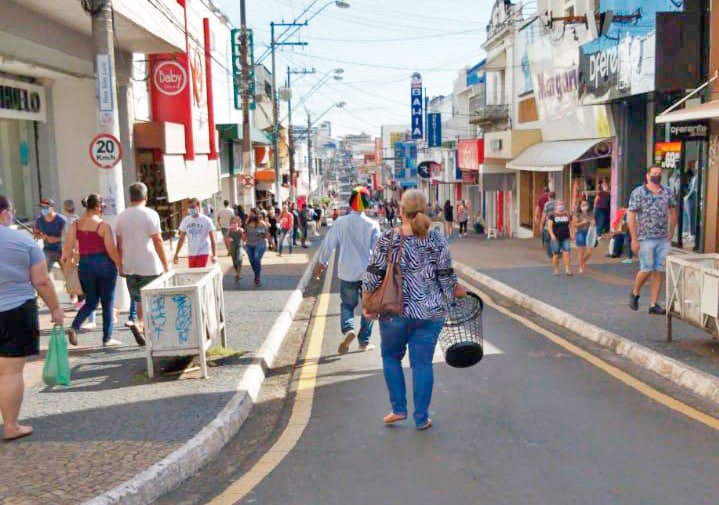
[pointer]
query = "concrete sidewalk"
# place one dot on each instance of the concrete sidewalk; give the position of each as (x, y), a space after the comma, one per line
(600, 297)
(113, 423)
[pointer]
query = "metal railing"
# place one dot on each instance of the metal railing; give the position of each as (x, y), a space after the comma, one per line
(489, 114)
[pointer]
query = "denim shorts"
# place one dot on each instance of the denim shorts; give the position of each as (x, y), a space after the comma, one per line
(561, 246)
(582, 237)
(653, 254)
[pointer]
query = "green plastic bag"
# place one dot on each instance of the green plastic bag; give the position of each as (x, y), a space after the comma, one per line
(56, 371)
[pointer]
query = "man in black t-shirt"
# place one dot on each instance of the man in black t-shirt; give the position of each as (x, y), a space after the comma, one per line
(559, 226)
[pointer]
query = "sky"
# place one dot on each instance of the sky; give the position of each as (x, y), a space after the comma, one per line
(378, 44)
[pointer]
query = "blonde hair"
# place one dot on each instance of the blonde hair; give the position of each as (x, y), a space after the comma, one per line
(414, 208)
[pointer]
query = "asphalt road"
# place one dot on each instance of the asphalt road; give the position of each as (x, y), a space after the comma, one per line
(531, 424)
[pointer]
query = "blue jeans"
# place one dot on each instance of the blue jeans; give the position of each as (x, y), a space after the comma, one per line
(421, 337)
(351, 295)
(98, 275)
(602, 217)
(653, 254)
(255, 253)
(561, 246)
(281, 240)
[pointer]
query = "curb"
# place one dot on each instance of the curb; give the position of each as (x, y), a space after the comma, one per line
(165, 475)
(686, 376)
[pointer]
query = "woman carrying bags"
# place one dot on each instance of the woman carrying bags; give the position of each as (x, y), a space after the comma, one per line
(99, 263)
(428, 284)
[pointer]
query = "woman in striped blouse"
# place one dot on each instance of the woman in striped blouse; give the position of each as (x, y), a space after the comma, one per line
(428, 284)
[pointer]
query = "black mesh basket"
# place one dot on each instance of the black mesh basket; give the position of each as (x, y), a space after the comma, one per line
(461, 335)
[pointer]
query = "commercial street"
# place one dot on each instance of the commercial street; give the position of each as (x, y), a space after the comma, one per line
(531, 423)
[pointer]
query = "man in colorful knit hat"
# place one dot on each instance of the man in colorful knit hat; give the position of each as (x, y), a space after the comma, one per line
(356, 235)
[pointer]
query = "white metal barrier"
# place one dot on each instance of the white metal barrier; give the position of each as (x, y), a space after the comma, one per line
(693, 291)
(184, 310)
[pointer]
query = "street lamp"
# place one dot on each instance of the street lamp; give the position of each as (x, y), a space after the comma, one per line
(339, 105)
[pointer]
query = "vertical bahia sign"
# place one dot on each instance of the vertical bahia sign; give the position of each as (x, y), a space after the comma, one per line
(417, 107)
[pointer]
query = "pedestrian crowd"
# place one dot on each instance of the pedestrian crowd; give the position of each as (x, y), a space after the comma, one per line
(93, 255)
(644, 228)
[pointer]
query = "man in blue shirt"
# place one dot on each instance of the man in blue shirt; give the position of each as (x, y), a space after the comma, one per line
(356, 235)
(651, 216)
(49, 227)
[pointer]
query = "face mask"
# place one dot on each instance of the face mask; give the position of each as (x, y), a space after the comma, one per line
(656, 179)
(585, 208)
(193, 212)
(45, 212)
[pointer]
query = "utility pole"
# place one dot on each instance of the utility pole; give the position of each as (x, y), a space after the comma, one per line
(111, 184)
(290, 137)
(275, 104)
(309, 152)
(246, 135)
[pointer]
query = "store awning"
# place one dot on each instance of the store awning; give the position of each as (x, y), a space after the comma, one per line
(552, 156)
(265, 175)
(709, 110)
(233, 131)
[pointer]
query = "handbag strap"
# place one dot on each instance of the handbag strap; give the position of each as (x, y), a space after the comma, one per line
(401, 247)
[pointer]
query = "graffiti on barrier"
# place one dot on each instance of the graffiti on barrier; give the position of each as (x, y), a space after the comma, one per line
(183, 318)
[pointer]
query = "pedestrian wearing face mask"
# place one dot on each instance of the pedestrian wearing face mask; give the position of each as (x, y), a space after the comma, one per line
(583, 220)
(200, 231)
(652, 217)
(559, 226)
(50, 227)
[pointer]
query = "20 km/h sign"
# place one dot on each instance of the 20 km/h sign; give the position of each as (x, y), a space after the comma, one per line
(105, 150)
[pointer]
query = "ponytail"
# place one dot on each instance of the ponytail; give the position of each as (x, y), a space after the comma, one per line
(414, 205)
(420, 224)
(92, 201)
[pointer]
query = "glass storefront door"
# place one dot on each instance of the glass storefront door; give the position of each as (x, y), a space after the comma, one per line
(18, 167)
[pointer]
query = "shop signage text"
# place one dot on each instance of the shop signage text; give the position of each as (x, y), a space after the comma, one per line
(557, 85)
(236, 37)
(434, 129)
(170, 78)
(417, 107)
(668, 155)
(104, 82)
(470, 154)
(683, 131)
(20, 100)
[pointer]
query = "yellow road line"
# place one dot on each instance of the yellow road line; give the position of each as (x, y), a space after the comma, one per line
(615, 372)
(301, 410)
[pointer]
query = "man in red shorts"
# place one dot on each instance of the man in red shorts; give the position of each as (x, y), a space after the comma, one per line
(200, 231)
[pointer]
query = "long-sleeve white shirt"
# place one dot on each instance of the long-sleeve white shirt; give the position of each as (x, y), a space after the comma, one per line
(356, 236)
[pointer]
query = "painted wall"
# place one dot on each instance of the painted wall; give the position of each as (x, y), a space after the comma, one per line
(73, 125)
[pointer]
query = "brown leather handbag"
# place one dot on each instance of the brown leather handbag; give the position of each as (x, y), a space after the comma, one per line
(387, 298)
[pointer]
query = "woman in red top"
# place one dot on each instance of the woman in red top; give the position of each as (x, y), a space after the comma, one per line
(99, 263)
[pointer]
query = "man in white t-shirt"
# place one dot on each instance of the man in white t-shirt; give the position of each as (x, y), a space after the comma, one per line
(199, 230)
(139, 241)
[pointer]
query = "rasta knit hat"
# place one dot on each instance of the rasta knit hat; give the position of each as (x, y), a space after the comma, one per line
(359, 200)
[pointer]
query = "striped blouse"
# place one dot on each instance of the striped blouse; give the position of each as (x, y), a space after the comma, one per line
(426, 266)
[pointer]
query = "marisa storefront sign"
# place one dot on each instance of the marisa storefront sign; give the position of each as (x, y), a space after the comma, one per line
(22, 100)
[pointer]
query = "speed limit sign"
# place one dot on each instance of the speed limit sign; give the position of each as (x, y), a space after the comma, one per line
(105, 150)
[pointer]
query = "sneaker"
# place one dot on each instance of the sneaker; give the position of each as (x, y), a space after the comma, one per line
(367, 347)
(633, 301)
(129, 323)
(345, 344)
(427, 425)
(72, 335)
(627, 261)
(657, 309)
(111, 343)
(89, 326)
